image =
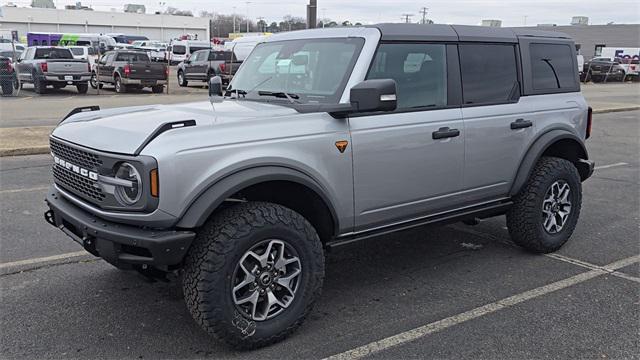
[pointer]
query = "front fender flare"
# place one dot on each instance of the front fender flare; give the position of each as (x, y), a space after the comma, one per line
(206, 203)
(539, 146)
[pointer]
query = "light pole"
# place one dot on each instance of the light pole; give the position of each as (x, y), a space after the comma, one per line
(234, 19)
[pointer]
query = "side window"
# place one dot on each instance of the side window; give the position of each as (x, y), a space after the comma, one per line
(489, 73)
(420, 72)
(552, 66)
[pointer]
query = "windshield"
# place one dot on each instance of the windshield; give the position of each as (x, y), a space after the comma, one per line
(309, 70)
(53, 53)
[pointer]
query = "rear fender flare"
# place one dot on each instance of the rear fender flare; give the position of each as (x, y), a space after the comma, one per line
(539, 146)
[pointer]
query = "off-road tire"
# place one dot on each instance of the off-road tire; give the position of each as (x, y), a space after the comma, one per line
(182, 81)
(158, 89)
(525, 218)
(217, 249)
(82, 88)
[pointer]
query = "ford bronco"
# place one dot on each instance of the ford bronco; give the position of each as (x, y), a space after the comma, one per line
(322, 138)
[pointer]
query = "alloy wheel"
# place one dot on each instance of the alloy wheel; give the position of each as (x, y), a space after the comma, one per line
(556, 207)
(266, 279)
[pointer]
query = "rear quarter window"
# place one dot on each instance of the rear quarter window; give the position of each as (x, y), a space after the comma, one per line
(552, 67)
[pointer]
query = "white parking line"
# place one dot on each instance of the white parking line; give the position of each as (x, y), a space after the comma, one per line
(591, 266)
(422, 331)
(12, 191)
(610, 166)
(39, 260)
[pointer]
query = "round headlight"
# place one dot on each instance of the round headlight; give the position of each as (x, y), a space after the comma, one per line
(128, 195)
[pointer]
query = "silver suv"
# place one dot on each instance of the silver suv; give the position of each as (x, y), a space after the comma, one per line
(325, 137)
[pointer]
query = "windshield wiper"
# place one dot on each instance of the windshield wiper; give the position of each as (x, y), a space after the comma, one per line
(280, 94)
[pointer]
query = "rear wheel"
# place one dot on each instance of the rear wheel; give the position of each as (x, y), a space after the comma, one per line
(7, 88)
(39, 86)
(253, 274)
(182, 81)
(82, 88)
(120, 87)
(546, 210)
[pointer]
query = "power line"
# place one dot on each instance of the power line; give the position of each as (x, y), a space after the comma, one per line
(424, 14)
(406, 17)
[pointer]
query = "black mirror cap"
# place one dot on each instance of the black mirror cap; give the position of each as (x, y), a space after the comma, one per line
(215, 86)
(374, 95)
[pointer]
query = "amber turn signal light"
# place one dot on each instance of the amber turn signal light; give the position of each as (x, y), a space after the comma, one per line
(155, 189)
(342, 145)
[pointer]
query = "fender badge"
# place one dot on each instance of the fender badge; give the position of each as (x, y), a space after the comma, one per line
(342, 145)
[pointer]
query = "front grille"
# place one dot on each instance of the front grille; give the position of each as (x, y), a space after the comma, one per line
(76, 156)
(77, 184)
(71, 181)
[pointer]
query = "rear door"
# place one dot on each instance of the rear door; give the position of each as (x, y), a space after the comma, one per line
(409, 163)
(498, 131)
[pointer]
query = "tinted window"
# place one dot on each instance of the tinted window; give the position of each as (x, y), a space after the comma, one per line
(489, 73)
(420, 72)
(132, 57)
(53, 53)
(220, 56)
(179, 49)
(552, 66)
(196, 48)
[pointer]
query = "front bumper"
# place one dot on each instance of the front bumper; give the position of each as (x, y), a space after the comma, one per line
(121, 245)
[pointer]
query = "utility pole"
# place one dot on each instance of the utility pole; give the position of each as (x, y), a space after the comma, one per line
(424, 14)
(234, 19)
(248, 2)
(406, 17)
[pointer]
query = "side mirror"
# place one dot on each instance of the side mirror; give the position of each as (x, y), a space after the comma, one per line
(215, 86)
(374, 95)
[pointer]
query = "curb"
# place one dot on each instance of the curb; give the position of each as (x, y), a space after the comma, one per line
(620, 109)
(36, 150)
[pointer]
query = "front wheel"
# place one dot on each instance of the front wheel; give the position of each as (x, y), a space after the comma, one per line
(182, 81)
(253, 274)
(545, 212)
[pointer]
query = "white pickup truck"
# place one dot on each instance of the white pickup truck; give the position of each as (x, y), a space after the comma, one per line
(628, 59)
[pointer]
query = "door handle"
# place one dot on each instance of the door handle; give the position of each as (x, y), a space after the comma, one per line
(445, 132)
(521, 124)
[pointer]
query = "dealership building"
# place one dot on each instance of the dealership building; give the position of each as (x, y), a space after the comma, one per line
(590, 39)
(153, 26)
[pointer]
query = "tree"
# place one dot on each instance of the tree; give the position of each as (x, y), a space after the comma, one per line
(262, 25)
(173, 11)
(273, 27)
(346, 23)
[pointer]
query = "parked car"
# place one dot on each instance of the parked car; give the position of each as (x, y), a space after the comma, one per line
(243, 46)
(53, 66)
(154, 48)
(8, 78)
(84, 52)
(202, 65)
(10, 54)
(323, 138)
(127, 69)
(601, 69)
(180, 50)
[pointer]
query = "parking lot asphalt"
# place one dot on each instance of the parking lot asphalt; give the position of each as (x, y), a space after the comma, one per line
(453, 292)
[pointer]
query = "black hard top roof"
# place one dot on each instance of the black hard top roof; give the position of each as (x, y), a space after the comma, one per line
(441, 32)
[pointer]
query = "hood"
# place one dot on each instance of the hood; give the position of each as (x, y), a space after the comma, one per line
(125, 130)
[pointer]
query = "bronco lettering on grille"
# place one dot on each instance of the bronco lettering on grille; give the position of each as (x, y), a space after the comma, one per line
(76, 169)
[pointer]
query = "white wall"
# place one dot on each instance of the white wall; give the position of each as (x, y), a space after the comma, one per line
(162, 27)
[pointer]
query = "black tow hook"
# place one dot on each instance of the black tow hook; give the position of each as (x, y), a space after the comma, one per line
(49, 217)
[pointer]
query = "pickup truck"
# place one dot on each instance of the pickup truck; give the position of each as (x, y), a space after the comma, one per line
(602, 69)
(202, 65)
(51, 65)
(128, 69)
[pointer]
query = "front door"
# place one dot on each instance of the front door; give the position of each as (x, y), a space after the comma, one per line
(408, 163)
